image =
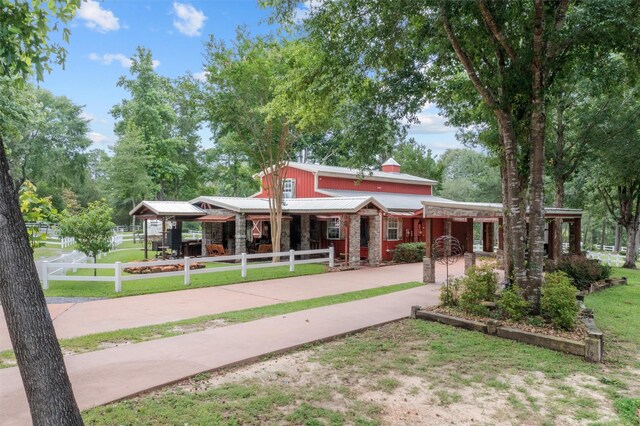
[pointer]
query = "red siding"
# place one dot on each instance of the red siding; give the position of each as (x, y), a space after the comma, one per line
(328, 182)
(304, 184)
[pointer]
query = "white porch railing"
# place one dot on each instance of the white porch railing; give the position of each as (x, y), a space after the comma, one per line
(48, 268)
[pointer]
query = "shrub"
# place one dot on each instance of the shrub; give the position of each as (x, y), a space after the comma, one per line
(513, 305)
(450, 295)
(583, 271)
(478, 285)
(558, 301)
(409, 252)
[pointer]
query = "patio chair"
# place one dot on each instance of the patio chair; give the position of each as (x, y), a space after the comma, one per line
(215, 250)
(265, 248)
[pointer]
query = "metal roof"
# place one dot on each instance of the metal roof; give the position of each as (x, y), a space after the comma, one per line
(391, 162)
(292, 205)
(356, 174)
(494, 207)
(390, 200)
(167, 208)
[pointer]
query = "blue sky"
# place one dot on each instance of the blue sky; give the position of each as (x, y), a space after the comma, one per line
(105, 34)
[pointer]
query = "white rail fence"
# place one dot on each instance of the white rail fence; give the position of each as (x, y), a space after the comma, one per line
(63, 242)
(611, 259)
(50, 271)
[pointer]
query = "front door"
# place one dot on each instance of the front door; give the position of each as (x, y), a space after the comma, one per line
(364, 238)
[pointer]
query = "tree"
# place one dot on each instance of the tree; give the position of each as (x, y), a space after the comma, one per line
(417, 160)
(163, 113)
(92, 229)
(50, 147)
(34, 210)
(25, 28)
(239, 99)
(128, 172)
(494, 60)
(470, 176)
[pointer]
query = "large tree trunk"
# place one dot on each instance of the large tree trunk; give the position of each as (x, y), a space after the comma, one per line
(535, 238)
(558, 183)
(514, 211)
(33, 337)
(632, 248)
(617, 238)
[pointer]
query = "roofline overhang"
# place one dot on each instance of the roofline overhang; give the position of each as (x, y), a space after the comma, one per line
(165, 214)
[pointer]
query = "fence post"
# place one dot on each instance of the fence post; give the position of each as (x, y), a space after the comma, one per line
(292, 260)
(331, 249)
(45, 274)
(118, 277)
(244, 265)
(187, 270)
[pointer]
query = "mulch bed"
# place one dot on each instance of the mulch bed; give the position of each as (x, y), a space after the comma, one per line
(578, 333)
(165, 268)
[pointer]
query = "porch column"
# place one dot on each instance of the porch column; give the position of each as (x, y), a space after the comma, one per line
(428, 263)
(447, 231)
(241, 234)
(207, 231)
(551, 241)
(285, 235)
(146, 240)
(469, 255)
(305, 231)
(500, 252)
(375, 255)
(487, 237)
(354, 241)
(574, 237)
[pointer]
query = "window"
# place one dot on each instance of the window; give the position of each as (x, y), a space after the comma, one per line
(333, 228)
(393, 228)
(289, 188)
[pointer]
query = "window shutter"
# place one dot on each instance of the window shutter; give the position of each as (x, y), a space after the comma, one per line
(293, 188)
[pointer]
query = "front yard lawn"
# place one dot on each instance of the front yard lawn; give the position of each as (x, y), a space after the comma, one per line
(415, 372)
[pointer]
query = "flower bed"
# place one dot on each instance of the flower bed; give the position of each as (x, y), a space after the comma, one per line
(585, 340)
(164, 268)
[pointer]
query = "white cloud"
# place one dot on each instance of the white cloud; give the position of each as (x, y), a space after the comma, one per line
(109, 58)
(304, 10)
(97, 18)
(201, 76)
(98, 138)
(189, 20)
(429, 123)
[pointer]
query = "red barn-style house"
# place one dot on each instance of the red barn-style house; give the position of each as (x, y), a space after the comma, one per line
(364, 216)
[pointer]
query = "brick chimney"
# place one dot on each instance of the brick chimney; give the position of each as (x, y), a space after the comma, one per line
(391, 166)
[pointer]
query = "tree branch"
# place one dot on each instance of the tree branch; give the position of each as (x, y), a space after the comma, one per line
(486, 93)
(491, 25)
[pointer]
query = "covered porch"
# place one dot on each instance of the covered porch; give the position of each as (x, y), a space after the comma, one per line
(352, 225)
(459, 219)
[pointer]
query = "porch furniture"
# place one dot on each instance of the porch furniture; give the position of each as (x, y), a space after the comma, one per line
(215, 250)
(265, 248)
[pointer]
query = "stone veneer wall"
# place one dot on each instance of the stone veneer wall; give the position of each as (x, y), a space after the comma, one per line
(305, 230)
(354, 241)
(241, 234)
(375, 235)
(285, 235)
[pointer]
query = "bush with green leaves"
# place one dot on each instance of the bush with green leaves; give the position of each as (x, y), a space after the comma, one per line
(450, 294)
(513, 305)
(582, 271)
(409, 252)
(558, 301)
(478, 285)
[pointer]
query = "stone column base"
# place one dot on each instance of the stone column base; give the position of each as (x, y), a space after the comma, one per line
(469, 260)
(499, 259)
(428, 270)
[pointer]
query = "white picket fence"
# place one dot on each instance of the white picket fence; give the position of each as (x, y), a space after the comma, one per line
(63, 242)
(48, 268)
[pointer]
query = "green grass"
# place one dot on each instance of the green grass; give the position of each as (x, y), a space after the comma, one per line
(617, 313)
(443, 358)
(96, 341)
(164, 284)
